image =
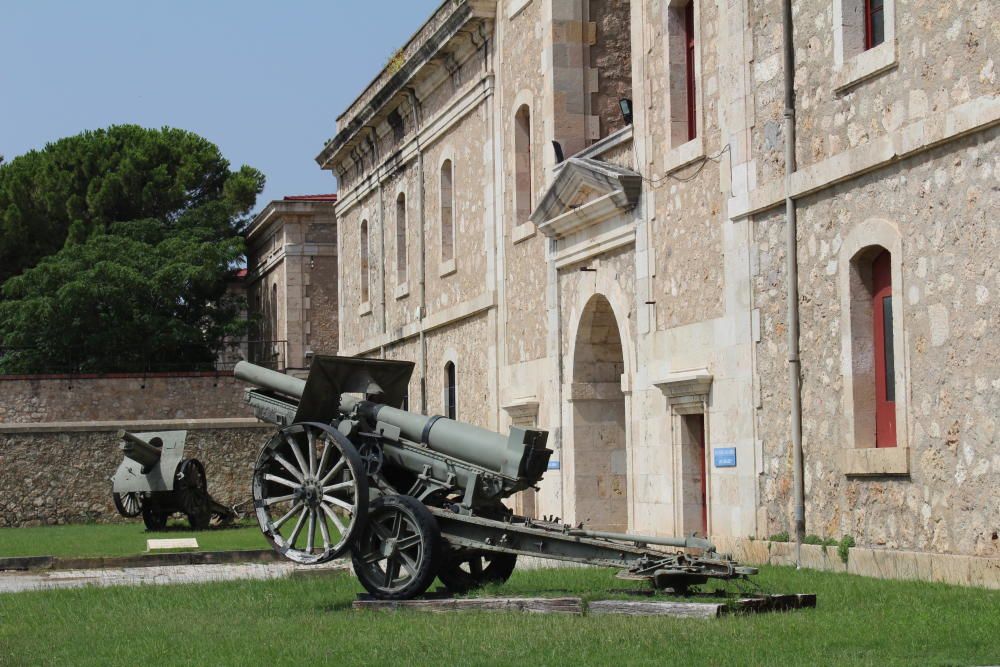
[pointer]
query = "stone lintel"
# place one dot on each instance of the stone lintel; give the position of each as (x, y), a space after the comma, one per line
(684, 388)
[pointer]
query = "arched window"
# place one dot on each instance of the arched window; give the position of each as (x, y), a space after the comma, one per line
(401, 239)
(447, 212)
(450, 392)
(882, 338)
(522, 163)
(364, 261)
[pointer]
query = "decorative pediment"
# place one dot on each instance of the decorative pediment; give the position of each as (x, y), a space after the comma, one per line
(585, 192)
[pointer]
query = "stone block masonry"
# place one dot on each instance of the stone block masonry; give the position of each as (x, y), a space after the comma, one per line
(28, 399)
(59, 473)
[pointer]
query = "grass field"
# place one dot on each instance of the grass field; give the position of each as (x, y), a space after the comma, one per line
(120, 539)
(300, 621)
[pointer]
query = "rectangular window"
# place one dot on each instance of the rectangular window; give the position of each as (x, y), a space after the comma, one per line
(874, 23)
(882, 339)
(692, 118)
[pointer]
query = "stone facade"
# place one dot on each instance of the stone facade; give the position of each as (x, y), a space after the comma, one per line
(60, 473)
(292, 281)
(638, 312)
(76, 398)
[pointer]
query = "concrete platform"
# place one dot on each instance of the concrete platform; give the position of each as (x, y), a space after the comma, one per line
(16, 582)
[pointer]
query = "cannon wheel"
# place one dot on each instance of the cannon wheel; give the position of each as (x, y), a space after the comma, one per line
(397, 555)
(192, 482)
(154, 518)
(465, 570)
(127, 503)
(310, 492)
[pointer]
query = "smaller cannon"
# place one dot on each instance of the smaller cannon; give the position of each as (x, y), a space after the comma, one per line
(154, 480)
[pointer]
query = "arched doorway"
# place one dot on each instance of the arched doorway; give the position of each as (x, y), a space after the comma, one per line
(600, 465)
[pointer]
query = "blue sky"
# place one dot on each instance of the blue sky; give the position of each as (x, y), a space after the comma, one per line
(263, 80)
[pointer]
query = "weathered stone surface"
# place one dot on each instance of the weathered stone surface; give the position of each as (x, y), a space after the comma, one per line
(63, 476)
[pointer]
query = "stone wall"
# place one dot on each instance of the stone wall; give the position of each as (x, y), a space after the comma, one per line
(60, 473)
(943, 204)
(49, 398)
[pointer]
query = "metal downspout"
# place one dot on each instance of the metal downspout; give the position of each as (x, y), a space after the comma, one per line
(423, 260)
(792, 284)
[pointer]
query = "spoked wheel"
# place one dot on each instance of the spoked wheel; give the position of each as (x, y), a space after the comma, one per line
(464, 570)
(310, 492)
(397, 554)
(193, 485)
(127, 504)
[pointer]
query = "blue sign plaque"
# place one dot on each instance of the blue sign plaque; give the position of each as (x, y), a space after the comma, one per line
(553, 465)
(725, 457)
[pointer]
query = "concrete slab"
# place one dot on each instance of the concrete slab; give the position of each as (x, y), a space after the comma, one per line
(158, 575)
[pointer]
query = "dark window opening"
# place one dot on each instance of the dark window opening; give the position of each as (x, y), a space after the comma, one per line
(885, 378)
(692, 116)
(874, 23)
(450, 392)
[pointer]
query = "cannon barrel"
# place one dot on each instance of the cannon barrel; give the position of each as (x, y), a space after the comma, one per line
(510, 455)
(268, 379)
(139, 450)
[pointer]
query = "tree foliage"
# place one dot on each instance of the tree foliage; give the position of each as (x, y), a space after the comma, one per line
(118, 245)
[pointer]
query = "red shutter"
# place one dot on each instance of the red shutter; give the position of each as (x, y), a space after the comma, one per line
(692, 116)
(885, 383)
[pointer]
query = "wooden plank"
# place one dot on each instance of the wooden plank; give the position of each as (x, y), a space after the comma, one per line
(564, 605)
(775, 602)
(643, 608)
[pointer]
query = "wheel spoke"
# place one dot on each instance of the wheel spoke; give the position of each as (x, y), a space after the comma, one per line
(347, 507)
(391, 571)
(298, 527)
(324, 530)
(338, 486)
(289, 467)
(409, 564)
(333, 471)
(278, 499)
(311, 438)
(327, 446)
(297, 451)
(277, 524)
(397, 524)
(408, 542)
(333, 517)
(281, 480)
(311, 531)
(381, 531)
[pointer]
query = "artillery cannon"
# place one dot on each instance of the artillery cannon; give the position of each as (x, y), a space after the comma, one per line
(154, 480)
(413, 497)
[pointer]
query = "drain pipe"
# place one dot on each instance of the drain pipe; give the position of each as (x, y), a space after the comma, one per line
(422, 284)
(792, 284)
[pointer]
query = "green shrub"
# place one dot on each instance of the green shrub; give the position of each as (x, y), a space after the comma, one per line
(779, 537)
(843, 549)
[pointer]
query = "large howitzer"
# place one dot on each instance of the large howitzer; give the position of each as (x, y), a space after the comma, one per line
(414, 497)
(155, 480)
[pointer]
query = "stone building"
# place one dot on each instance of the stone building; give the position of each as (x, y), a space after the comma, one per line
(291, 281)
(630, 298)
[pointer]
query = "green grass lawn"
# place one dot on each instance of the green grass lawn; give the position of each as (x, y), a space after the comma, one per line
(120, 539)
(302, 621)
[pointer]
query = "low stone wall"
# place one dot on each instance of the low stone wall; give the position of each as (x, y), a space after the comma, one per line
(866, 562)
(26, 399)
(58, 473)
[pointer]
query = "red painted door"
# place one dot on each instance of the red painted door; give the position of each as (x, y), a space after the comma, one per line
(885, 367)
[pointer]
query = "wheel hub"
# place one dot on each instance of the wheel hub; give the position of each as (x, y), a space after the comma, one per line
(389, 547)
(310, 493)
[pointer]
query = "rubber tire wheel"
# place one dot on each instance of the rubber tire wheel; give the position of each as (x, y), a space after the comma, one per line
(155, 520)
(193, 484)
(430, 535)
(497, 571)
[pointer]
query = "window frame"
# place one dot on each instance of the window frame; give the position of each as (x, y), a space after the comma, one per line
(682, 55)
(365, 266)
(448, 235)
(856, 57)
(402, 260)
